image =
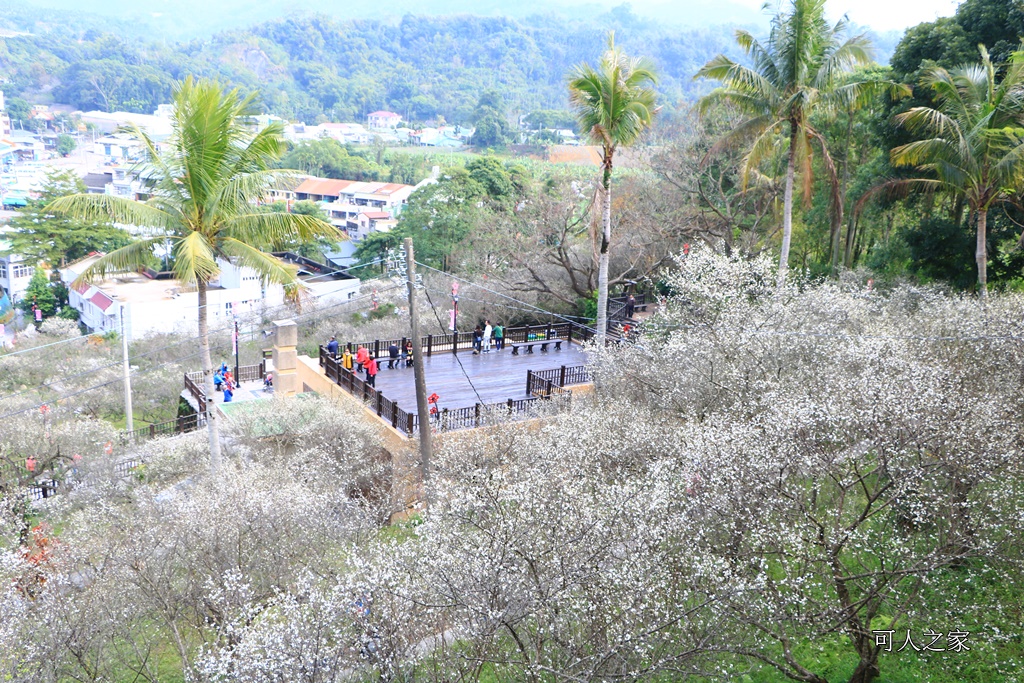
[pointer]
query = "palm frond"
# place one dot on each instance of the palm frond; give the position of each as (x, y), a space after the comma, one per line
(105, 207)
(271, 270)
(127, 259)
(194, 259)
(269, 229)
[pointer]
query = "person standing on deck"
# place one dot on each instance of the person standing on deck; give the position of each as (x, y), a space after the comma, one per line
(346, 359)
(392, 355)
(371, 372)
(499, 337)
(332, 347)
(478, 336)
(362, 356)
(487, 336)
(630, 306)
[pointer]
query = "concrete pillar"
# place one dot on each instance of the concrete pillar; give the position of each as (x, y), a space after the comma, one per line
(286, 378)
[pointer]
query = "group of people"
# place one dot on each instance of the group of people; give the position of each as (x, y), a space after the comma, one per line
(363, 361)
(482, 337)
(224, 381)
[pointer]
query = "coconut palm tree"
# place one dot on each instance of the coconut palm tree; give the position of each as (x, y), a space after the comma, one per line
(972, 141)
(206, 188)
(802, 68)
(614, 103)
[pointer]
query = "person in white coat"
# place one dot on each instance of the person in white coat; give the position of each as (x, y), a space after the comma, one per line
(487, 336)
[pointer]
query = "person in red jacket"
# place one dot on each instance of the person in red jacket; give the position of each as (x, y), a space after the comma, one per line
(371, 372)
(362, 355)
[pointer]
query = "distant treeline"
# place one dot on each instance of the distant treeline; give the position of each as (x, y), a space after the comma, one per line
(313, 66)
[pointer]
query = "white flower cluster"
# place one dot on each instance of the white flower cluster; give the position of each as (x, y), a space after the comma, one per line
(768, 475)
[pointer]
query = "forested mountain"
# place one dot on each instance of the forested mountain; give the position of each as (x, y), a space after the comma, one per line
(312, 66)
(188, 19)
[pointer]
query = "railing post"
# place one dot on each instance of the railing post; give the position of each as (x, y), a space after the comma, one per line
(569, 333)
(379, 396)
(561, 377)
(430, 344)
(510, 406)
(529, 381)
(394, 415)
(348, 345)
(526, 335)
(547, 334)
(409, 425)
(476, 414)
(152, 431)
(548, 388)
(376, 348)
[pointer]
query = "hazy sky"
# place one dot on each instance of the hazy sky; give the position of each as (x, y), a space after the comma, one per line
(883, 15)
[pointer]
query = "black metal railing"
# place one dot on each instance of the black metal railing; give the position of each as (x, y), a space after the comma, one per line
(246, 373)
(179, 425)
(446, 419)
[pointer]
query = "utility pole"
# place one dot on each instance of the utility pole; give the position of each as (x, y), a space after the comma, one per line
(129, 418)
(234, 342)
(422, 409)
(455, 317)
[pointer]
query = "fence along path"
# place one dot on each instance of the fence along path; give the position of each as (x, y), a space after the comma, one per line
(541, 386)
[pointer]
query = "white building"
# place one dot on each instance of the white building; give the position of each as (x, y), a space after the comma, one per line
(157, 126)
(15, 273)
(151, 305)
(344, 200)
(383, 120)
(119, 148)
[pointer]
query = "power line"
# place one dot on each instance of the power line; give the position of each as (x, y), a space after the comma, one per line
(151, 369)
(86, 336)
(530, 306)
(455, 343)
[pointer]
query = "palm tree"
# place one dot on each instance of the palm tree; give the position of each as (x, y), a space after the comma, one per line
(614, 104)
(798, 71)
(207, 185)
(973, 140)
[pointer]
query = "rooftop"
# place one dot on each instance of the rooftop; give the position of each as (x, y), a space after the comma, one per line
(135, 288)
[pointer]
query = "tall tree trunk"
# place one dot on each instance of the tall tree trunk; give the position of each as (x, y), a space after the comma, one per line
(212, 423)
(981, 254)
(606, 239)
(851, 236)
(787, 206)
(837, 214)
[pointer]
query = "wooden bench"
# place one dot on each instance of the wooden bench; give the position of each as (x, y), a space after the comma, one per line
(543, 343)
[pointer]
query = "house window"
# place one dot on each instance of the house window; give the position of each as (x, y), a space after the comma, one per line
(106, 150)
(22, 271)
(3, 271)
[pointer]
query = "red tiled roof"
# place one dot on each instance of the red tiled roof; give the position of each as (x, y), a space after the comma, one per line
(391, 187)
(102, 301)
(323, 186)
(81, 287)
(377, 215)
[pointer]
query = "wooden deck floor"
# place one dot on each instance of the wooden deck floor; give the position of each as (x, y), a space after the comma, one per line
(497, 376)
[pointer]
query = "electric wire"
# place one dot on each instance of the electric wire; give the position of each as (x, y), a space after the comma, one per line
(156, 367)
(455, 341)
